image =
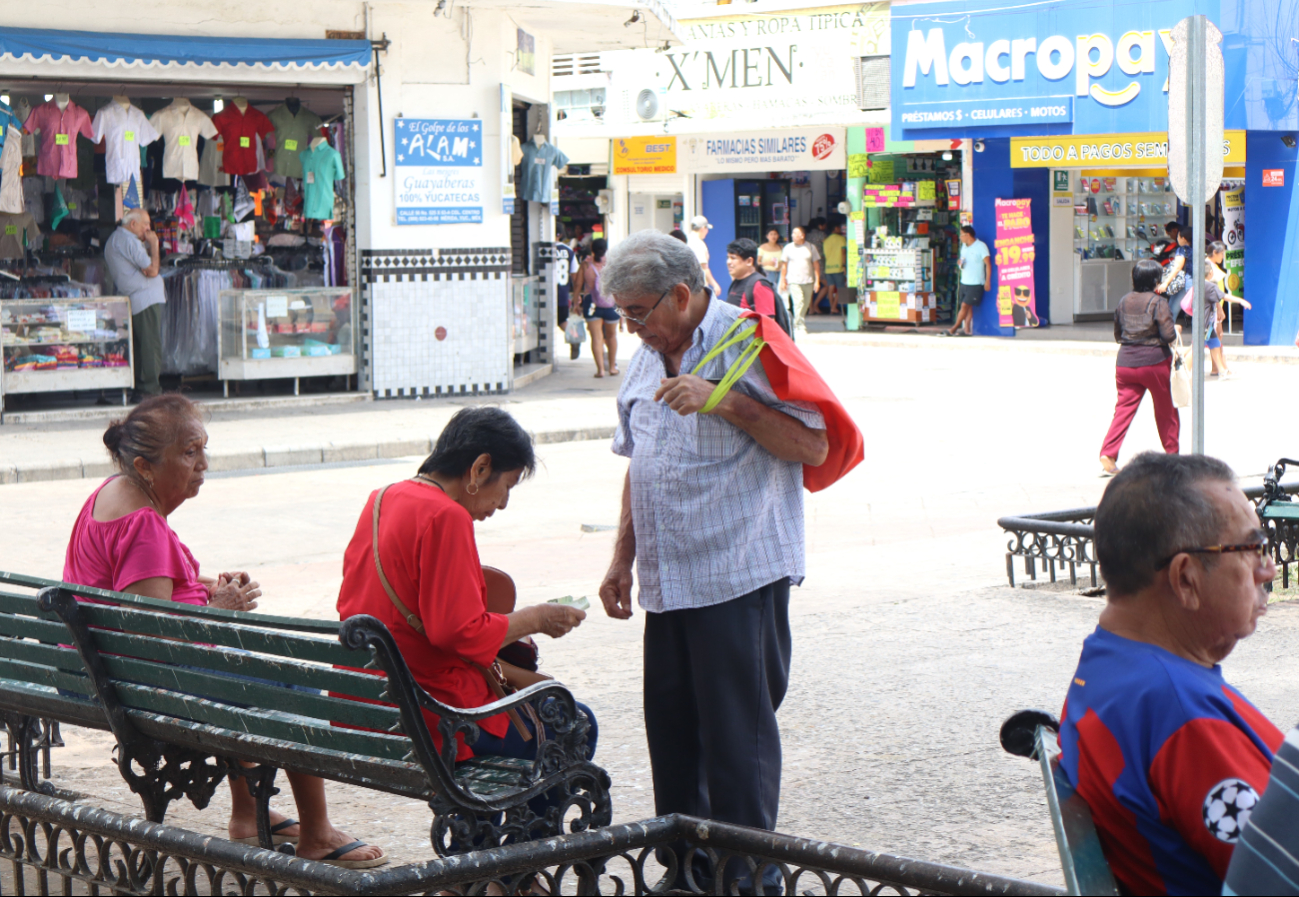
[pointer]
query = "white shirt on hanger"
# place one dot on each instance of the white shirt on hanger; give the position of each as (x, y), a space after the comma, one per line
(124, 131)
(181, 126)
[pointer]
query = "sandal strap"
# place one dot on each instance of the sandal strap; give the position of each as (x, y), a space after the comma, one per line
(281, 826)
(342, 851)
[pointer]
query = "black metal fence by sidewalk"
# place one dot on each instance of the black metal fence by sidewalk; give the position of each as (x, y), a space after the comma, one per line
(51, 846)
(1062, 540)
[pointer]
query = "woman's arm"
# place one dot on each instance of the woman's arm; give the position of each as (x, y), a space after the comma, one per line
(1176, 265)
(554, 620)
(159, 587)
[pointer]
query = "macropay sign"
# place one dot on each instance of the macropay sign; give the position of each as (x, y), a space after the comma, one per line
(1068, 67)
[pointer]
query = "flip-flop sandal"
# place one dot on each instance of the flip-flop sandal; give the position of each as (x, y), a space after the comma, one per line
(275, 839)
(614, 372)
(333, 857)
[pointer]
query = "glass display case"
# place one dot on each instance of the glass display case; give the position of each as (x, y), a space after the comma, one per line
(267, 334)
(52, 344)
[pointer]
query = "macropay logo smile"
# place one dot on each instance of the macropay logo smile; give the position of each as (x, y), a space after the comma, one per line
(1087, 57)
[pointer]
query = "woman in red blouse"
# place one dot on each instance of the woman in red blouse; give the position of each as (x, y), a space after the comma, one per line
(430, 558)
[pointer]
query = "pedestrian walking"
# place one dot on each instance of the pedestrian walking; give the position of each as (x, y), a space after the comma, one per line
(769, 256)
(1218, 278)
(131, 254)
(1143, 326)
(835, 250)
(597, 310)
(750, 288)
(565, 266)
(699, 228)
(712, 516)
(976, 279)
(800, 276)
(1177, 275)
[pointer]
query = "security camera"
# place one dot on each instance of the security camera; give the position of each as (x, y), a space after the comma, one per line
(978, 146)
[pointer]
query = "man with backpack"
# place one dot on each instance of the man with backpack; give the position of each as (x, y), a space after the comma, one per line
(749, 287)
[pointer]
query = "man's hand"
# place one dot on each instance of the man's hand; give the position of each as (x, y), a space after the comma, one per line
(150, 238)
(615, 592)
(685, 394)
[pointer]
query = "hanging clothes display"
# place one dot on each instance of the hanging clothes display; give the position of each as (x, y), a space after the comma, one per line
(240, 129)
(295, 126)
(124, 129)
(59, 127)
(181, 125)
(190, 316)
(321, 167)
(12, 200)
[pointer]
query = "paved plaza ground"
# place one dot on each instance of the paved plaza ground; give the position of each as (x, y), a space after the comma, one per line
(909, 647)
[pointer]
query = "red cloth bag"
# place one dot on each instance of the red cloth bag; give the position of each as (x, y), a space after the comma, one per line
(794, 379)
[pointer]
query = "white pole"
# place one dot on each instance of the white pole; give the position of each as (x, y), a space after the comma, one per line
(1196, 62)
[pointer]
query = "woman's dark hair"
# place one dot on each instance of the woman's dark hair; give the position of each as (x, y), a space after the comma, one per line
(1184, 233)
(1216, 247)
(678, 234)
(482, 430)
(146, 432)
(599, 248)
(1146, 275)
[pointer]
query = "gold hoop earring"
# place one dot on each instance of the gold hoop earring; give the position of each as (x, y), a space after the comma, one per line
(472, 489)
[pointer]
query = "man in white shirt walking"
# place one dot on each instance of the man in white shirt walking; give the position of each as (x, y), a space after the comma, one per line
(699, 228)
(800, 275)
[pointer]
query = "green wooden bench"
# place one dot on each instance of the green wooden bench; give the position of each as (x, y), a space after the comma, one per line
(1032, 734)
(158, 675)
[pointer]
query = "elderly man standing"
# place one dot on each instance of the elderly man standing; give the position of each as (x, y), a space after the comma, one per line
(1169, 757)
(131, 254)
(712, 515)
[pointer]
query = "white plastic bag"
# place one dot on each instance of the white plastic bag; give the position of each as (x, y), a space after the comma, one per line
(1181, 377)
(575, 331)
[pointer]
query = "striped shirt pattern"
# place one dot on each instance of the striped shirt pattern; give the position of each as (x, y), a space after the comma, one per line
(1266, 859)
(716, 516)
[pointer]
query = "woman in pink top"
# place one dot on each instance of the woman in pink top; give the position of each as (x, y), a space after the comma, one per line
(121, 541)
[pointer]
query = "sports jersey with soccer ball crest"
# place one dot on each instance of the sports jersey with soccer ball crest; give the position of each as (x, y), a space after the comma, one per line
(1170, 759)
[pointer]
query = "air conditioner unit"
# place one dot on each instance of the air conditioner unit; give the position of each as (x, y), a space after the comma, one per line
(645, 104)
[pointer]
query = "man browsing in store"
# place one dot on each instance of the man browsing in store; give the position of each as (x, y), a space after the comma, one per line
(131, 254)
(976, 279)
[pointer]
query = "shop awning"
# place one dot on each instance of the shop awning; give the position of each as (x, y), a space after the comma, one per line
(82, 53)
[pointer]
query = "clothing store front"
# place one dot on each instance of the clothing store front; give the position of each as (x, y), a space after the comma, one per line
(248, 180)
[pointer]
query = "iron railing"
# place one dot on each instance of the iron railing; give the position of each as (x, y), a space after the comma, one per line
(50, 846)
(1063, 539)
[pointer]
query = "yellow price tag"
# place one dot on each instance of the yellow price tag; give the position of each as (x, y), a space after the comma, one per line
(128, 135)
(11, 230)
(290, 145)
(60, 139)
(184, 140)
(245, 142)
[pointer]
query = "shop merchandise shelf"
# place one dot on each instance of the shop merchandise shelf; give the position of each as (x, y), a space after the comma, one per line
(32, 331)
(276, 334)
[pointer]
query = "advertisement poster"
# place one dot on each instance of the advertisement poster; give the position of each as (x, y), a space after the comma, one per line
(439, 170)
(1013, 256)
(645, 155)
(506, 143)
(1233, 234)
(856, 240)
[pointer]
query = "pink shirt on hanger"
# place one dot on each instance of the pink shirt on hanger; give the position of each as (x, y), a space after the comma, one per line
(57, 156)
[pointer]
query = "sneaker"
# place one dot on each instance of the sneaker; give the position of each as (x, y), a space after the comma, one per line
(1108, 467)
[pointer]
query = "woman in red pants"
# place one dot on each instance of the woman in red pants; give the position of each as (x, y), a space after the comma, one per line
(1144, 329)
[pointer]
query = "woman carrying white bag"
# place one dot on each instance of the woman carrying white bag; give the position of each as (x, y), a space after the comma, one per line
(1143, 327)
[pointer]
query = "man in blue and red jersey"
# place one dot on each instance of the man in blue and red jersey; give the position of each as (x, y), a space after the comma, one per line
(1168, 756)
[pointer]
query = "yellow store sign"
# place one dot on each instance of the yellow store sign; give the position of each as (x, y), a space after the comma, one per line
(645, 155)
(1149, 150)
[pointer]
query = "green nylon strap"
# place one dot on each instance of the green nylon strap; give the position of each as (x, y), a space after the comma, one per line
(738, 368)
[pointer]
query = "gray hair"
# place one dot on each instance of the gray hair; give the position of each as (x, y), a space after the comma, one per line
(1151, 511)
(649, 262)
(130, 215)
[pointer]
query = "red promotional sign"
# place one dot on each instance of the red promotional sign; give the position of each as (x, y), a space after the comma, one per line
(822, 147)
(1016, 298)
(1273, 177)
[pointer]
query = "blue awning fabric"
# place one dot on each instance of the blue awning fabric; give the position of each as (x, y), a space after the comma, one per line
(165, 51)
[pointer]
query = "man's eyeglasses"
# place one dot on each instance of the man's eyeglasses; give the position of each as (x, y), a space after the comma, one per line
(1258, 549)
(641, 319)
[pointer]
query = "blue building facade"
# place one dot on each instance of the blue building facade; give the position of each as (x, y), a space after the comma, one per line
(1094, 67)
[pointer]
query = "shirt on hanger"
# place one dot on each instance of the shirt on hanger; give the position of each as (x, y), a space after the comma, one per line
(320, 168)
(293, 134)
(11, 178)
(57, 157)
(538, 162)
(240, 132)
(7, 118)
(209, 166)
(17, 232)
(181, 127)
(123, 131)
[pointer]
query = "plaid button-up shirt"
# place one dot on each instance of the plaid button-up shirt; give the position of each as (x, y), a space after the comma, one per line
(716, 515)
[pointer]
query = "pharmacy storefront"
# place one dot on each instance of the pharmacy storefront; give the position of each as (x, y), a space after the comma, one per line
(1064, 104)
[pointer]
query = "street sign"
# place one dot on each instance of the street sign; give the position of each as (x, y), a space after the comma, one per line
(1182, 124)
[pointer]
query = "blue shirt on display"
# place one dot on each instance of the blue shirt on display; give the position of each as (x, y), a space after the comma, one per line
(972, 257)
(535, 176)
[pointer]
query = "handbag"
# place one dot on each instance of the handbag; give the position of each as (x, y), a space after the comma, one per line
(1180, 383)
(575, 331)
(1188, 302)
(497, 679)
